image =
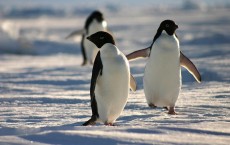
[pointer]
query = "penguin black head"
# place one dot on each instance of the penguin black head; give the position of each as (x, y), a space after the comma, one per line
(169, 26)
(97, 15)
(100, 38)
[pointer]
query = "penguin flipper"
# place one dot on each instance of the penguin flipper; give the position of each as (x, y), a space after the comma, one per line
(97, 70)
(91, 121)
(139, 53)
(74, 33)
(186, 63)
(133, 84)
(83, 51)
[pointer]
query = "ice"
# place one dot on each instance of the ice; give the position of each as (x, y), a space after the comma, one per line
(44, 90)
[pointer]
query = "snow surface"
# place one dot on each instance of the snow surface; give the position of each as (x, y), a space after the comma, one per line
(44, 92)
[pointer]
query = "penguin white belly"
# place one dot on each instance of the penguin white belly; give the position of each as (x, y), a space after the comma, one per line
(162, 77)
(112, 88)
(90, 48)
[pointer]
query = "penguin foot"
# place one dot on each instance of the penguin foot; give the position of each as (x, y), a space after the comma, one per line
(109, 124)
(172, 111)
(166, 108)
(152, 105)
(91, 121)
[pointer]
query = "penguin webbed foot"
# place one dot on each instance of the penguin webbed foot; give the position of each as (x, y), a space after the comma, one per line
(109, 124)
(166, 108)
(91, 121)
(154, 106)
(151, 105)
(172, 111)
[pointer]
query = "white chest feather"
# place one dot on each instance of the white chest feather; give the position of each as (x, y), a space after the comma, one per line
(162, 78)
(112, 87)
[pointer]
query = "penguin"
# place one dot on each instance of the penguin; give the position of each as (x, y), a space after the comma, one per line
(94, 23)
(162, 74)
(110, 81)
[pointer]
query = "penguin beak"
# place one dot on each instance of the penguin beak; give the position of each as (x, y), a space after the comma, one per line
(176, 26)
(88, 37)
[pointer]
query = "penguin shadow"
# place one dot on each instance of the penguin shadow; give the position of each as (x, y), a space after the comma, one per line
(148, 113)
(159, 115)
(130, 118)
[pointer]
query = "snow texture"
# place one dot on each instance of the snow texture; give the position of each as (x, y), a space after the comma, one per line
(44, 91)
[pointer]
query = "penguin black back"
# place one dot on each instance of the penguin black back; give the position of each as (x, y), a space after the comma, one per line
(100, 38)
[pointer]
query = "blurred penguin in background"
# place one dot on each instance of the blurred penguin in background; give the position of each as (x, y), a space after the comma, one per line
(94, 23)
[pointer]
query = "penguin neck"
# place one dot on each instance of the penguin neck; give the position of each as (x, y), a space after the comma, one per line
(96, 26)
(165, 43)
(159, 33)
(164, 33)
(109, 50)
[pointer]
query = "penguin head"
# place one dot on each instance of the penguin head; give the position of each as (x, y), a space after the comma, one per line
(100, 38)
(169, 26)
(94, 16)
(98, 16)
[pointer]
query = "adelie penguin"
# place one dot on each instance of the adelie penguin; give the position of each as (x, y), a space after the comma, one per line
(94, 23)
(110, 82)
(162, 75)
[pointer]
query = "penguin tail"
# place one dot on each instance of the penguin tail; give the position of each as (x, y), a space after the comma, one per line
(91, 121)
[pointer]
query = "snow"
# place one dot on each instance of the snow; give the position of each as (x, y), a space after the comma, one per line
(44, 92)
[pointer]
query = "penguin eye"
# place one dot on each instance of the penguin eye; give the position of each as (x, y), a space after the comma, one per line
(167, 25)
(101, 38)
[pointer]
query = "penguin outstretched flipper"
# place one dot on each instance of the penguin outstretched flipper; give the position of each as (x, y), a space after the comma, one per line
(75, 33)
(186, 63)
(139, 54)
